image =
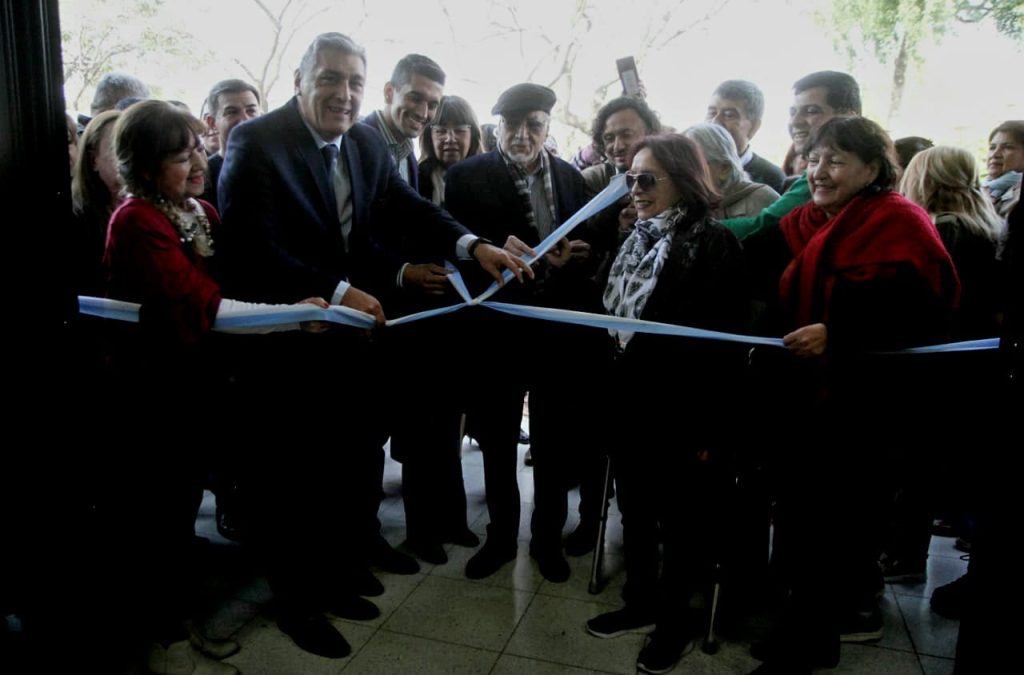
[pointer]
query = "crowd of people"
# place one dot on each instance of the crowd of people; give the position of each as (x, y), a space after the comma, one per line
(861, 254)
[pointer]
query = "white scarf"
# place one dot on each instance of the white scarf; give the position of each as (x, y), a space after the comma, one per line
(635, 272)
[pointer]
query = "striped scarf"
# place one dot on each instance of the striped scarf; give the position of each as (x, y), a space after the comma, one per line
(523, 188)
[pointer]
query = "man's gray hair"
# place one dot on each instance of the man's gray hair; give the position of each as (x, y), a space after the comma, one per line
(719, 148)
(115, 86)
(335, 41)
(748, 92)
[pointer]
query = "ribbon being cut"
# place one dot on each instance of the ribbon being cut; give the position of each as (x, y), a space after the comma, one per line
(250, 318)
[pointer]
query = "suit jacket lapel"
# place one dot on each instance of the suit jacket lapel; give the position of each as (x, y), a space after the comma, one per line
(314, 162)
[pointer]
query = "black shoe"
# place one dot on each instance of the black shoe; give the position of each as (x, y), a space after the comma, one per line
(861, 627)
(464, 537)
(620, 622)
(949, 600)
(524, 438)
(489, 560)
(362, 582)
(552, 564)
(388, 559)
(661, 653)
(352, 607)
(427, 551)
(316, 635)
(229, 524)
(582, 540)
(902, 571)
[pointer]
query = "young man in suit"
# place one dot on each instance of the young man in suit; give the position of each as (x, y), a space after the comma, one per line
(411, 98)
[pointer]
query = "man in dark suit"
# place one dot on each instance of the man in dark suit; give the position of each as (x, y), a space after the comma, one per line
(230, 103)
(312, 205)
(517, 194)
(411, 98)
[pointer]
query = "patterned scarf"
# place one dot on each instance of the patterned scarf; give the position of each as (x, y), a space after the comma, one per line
(400, 148)
(635, 272)
(523, 187)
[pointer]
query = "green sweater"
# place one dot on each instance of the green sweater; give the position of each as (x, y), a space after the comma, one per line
(797, 195)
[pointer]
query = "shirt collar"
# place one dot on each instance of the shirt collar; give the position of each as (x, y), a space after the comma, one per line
(747, 156)
(320, 142)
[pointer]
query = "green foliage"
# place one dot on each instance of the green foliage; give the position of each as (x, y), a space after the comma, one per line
(106, 35)
(884, 26)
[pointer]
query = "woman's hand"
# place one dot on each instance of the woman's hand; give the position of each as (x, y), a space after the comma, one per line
(315, 326)
(808, 341)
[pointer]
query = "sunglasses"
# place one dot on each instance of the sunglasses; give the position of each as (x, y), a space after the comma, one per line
(643, 181)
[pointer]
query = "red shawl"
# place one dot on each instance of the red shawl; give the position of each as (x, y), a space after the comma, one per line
(869, 239)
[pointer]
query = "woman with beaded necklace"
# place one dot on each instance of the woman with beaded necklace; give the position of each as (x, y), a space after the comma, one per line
(171, 407)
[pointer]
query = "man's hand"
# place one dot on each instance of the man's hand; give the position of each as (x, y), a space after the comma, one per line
(808, 341)
(518, 247)
(493, 259)
(427, 277)
(560, 254)
(580, 249)
(364, 302)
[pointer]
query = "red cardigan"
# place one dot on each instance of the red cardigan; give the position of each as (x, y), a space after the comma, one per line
(147, 263)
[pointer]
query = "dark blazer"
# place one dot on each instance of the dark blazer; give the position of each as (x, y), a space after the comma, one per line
(480, 192)
(281, 238)
(213, 166)
(375, 121)
(762, 171)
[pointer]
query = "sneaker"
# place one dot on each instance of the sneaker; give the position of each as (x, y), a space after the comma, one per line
(861, 627)
(949, 600)
(661, 653)
(620, 622)
(900, 571)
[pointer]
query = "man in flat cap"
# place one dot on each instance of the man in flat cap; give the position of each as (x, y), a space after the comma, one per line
(515, 196)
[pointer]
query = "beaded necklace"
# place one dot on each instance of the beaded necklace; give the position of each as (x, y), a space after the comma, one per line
(191, 222)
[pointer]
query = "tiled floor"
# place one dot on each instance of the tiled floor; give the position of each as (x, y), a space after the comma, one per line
(514, 622)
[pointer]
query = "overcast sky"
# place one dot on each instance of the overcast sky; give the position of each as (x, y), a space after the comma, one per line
(963, 90)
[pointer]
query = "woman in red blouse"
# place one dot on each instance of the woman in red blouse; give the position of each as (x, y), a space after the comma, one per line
(172, 411)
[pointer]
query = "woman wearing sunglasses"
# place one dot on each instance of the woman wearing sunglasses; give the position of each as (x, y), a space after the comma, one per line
(852, 276)
(677, 266)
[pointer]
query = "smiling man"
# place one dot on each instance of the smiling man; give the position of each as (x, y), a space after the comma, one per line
(310, 199)
(817, 98)
(517, 195)
(411, 98)
(230, 103)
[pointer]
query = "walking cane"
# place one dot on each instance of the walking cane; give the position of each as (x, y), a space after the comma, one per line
(596, 567)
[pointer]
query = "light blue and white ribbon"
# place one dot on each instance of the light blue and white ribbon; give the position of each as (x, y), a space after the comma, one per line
(336, 314)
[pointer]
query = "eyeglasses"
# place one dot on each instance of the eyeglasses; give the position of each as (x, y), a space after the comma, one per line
(644, 181)
(444, 132)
